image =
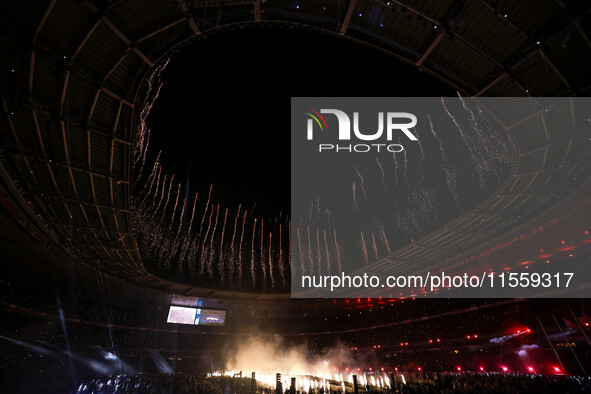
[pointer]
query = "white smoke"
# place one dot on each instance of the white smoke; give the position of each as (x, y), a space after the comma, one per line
(524, 349)
(273, 354)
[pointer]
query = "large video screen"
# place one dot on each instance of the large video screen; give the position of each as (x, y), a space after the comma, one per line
(181, 315)
(210, 317)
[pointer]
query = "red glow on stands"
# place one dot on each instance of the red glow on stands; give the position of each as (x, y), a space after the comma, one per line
(467, 336)
(396, 369)
(530, 369)
(401, 343)
(382, 368)
(359, 300)
(566, 249)
(586, 324)
(406, 343)
(419, 368)
(556, 370)
(359, 369)
(430, 341)
(459, 369)
(379, 346)
(347, 369)
(370, 368)
(505, 369)
(438, 340)
(475, 335)
(528, 330)
(481, 369)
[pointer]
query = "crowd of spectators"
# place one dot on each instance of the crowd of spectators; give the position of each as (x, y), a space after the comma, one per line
(493, 383)
(150, 384)
(490, 383)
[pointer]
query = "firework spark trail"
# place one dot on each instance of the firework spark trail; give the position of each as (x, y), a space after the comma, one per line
(422, 152)
(361, 185)
(364, 249)
(310, 252)
(436, 137)
(386, 241)
(300, 253)
(182, 217)
(206, 208)
(327, 254)
(271, 261)
(317, 210)
(383, 175)
(192, 214)
(203, 241)
(167, 197)
(281, 263)
(231, 267)
(176, 203)
(375, 246)
(395, 169)
(142, 142)
(221, 252)
(489, 146)
(211, 255)
(318, 253)
(240, 250)
(355, 204)
(165, 247)
(468, 109)
(475, 162)
(450, 174)
(262, 262)
(157, 185)
(338, 250)
(176, 242)
(161, 196)
(405, 163)
(252, 268)
(188, 238)
(483, 143)
(150, 180)
(145, 150)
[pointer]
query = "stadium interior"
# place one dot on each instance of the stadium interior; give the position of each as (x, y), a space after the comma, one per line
(144, 145)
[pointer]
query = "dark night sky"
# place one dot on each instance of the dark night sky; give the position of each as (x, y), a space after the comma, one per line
(226, 102)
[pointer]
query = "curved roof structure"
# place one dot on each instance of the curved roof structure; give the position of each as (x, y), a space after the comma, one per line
(74, 71)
